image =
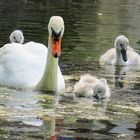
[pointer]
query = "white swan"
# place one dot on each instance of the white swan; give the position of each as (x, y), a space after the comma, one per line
(90, 86)
(122, 54)
(32, 65)
(16, 37)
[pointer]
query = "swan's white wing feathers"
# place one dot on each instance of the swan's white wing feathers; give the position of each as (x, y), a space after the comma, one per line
(21, 66)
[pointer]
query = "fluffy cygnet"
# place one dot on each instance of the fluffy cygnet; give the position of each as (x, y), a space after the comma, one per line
(16, 37)
(121, 54)
(90, 86)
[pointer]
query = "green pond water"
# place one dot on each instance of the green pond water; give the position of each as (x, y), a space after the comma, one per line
(91, 27)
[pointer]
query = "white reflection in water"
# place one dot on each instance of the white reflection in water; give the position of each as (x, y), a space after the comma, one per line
(126, 77)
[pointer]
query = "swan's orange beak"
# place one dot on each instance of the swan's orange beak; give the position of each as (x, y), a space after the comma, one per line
(56, 47)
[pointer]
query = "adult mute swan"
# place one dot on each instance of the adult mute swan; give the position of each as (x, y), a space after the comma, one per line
(90, 86)
(32, 65)
(16, 37)
(122, 54)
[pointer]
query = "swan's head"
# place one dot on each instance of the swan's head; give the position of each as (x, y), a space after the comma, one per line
(100, 89)
(16, 37)
(56, 30)
(121, 44)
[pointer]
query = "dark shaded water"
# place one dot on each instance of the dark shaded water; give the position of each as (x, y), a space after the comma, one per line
(91, 28)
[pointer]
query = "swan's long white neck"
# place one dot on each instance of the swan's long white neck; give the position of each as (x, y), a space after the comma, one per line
(49, 79)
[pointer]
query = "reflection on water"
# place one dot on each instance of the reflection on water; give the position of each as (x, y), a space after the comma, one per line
(91, 27)
(38, 115)
(122, 76)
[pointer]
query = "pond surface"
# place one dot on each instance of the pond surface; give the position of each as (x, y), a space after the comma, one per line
(91, 28)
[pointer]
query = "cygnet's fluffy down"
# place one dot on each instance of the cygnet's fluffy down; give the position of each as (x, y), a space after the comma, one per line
(121, 54)
(16, 37)
(90, 86)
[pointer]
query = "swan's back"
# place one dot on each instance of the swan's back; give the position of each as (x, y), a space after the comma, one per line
(108, 57)
(133, 58)
(21, 66)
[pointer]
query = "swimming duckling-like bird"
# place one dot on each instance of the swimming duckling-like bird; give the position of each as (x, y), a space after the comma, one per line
(122, 54)
(90, 86)
(33, 65)
(16, 37)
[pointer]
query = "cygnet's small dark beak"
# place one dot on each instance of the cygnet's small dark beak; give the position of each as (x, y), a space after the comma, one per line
(124, 54)
(96, 97)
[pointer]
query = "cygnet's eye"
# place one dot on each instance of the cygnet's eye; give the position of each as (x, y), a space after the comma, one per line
(99, 91)
(121, 44)
(14, 37)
